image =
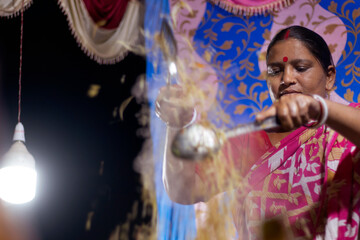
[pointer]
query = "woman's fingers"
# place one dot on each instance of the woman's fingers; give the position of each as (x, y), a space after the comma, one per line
(293, 111)
(284, 115)
(261, 116)
(295, 114)
(303, 111)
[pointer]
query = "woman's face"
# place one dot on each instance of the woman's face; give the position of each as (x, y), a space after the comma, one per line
(293, 69)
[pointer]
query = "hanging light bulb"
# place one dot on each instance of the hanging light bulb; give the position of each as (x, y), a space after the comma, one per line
(17, 173)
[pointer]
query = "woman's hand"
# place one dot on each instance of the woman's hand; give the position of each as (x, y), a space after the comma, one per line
(174, 106)
(293, 111)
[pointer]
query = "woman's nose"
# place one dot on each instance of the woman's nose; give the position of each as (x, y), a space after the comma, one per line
(288, 76)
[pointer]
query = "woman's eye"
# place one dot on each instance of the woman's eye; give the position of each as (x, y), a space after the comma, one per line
(301, 68)
(273, 71)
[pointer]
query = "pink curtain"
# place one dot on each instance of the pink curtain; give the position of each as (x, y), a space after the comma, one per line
(250, 3)
(106, 13)
(252, 7)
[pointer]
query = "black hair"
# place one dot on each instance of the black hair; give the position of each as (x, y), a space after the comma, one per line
(311, 40)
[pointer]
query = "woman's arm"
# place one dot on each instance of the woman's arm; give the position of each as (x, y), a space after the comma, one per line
(295, 110)
(345, 120)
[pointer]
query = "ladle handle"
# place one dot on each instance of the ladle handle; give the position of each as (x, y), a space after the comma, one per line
(169, 45)
(270, 123)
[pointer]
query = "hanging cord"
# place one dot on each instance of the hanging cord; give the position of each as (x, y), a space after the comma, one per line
(20, 67)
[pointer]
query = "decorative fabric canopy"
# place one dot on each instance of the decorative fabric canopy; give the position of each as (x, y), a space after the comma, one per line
(104, 29)
(10, 8)
(101, 30)
(251, 7)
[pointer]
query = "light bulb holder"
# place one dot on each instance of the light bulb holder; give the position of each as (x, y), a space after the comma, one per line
(19, 134)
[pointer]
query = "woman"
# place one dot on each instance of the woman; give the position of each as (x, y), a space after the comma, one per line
(308, 173)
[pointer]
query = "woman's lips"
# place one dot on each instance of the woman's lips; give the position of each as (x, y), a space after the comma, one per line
(288, 92)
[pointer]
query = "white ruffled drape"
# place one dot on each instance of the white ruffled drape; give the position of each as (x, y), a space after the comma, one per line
(10, 8)
(106, 46)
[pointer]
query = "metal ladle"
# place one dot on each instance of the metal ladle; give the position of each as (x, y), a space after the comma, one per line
(197, 142)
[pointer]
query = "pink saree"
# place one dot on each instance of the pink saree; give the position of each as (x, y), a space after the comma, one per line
(311, 180)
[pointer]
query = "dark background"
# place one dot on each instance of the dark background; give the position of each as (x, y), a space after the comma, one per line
(68, 133)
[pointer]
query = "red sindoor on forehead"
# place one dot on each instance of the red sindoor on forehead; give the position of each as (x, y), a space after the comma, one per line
(287, 34)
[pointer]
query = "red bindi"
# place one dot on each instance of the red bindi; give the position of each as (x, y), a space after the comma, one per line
(285, 59)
